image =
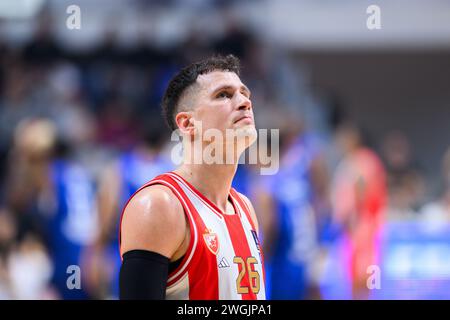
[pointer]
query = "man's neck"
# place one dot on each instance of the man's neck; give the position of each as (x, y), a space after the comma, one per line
(213, 181)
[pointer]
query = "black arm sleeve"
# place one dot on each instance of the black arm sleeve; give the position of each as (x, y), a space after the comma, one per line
(143, 275)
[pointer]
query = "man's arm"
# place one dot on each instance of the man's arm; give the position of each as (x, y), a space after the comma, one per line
(153, 229)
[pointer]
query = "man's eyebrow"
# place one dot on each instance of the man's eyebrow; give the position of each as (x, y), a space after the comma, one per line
(227, 87)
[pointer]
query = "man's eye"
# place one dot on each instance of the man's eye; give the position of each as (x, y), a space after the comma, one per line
(223, 94)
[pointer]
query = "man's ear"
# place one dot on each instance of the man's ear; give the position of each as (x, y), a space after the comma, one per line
(185, 122)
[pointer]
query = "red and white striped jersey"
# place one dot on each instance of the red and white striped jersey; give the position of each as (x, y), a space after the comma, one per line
(224, 259)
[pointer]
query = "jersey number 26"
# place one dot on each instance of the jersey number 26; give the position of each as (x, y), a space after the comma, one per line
(253, 276)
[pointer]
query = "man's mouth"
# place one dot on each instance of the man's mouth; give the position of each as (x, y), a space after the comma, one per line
(248, 118)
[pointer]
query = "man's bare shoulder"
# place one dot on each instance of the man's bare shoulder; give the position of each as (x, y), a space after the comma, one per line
(153, 220)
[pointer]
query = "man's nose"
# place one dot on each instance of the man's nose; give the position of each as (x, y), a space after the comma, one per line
(244, 102)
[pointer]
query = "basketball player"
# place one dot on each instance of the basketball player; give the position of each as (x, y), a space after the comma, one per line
(359, 197)
(187, 234)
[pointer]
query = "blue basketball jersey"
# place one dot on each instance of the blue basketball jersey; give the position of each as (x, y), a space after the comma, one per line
(72, 224)
(287, 266)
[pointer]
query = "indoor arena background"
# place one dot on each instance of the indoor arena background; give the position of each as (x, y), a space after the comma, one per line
(360, 208)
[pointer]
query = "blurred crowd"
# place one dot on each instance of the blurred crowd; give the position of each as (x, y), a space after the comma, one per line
(81, 131)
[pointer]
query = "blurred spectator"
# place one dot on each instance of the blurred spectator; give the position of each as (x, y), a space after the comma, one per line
(116, 124)
(30, 270)
(405, 182)
(14, 102)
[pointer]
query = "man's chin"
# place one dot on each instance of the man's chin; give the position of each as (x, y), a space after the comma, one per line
(246, 133)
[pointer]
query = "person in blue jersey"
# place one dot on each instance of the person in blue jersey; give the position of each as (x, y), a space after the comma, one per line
(290, 205)
(72, 227)
(61, 191)
(118, 182)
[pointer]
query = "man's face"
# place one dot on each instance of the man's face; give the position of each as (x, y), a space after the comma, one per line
(223, 102)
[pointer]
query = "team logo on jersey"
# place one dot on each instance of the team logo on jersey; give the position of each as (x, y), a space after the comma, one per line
(212, 241)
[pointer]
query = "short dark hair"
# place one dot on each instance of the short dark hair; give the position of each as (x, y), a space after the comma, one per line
(187, 76)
